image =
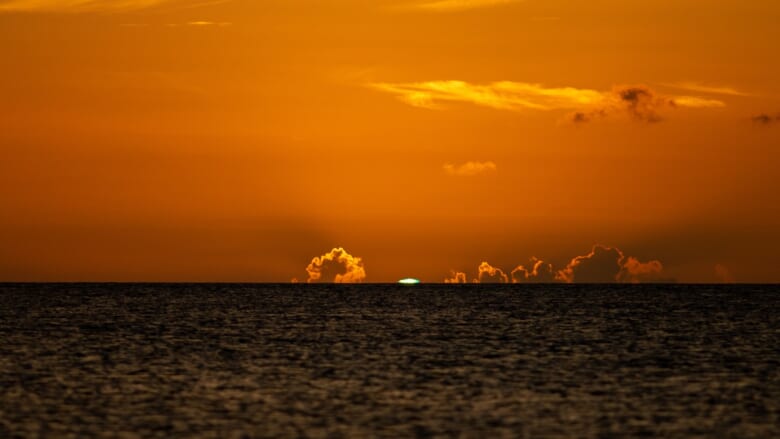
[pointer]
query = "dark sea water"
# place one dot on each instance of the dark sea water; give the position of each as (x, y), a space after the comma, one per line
(389, 361)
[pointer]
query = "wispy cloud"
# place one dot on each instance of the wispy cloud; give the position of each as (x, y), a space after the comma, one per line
(459, 5)
(640, 102)
(91, 5)
(707, 89)
(202, 24)
(469, 169)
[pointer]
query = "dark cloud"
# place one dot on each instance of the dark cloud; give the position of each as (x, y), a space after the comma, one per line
(609, 264)
(336, 266)
(640, 103)
(636, 272)
(540, 272)
(490, 274)
(601, 265)
(765, 119)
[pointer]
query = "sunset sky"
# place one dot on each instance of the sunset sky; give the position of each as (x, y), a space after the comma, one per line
(236, 140)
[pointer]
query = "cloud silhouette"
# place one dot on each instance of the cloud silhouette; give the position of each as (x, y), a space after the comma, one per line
(539, 272)
(765, 119)
(469, 169)
(609, 264)
(602, 264)
(336, 266)
(636, 272)
(637, 101)
(487, 273)
(456, 277)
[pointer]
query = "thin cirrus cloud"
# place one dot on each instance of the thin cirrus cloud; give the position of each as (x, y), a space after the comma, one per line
(459, 5)
(469, 169)
(92, 5)
(707, 89)
(639, 102)
(203, 24)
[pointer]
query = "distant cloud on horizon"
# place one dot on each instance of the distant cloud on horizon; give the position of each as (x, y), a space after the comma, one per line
(601, 265)
(336, 266)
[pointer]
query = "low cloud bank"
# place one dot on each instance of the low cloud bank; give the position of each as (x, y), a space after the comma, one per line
(602, 265)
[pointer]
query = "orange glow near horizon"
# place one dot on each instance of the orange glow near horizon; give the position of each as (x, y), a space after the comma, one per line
(178, 140)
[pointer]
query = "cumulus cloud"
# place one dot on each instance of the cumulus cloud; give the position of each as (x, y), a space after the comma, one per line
(636, 272)
(487, 273)
(602, 265)
(765, 119)
(456, 277)
(459, 5)
(637, 101)
(336, 266)
(469, 169)
(609, 264)
(90, 5)
(539, 271)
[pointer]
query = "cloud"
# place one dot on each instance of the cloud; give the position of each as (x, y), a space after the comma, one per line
(469, 169)
(636, 272)
(609, 264)
(336, 266)
(707, 89)
(90, 5)
(602, 265)
(765, 119)
(641, 103)
(460, 5)
(638, 101)
(456, 277)
(539, 272)
(724, 275)
(201, 24)
(209, 23)
(490, 274)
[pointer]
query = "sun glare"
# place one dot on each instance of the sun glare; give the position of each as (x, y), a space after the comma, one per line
(409, 281)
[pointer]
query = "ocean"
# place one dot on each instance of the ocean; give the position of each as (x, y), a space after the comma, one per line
(262, 360)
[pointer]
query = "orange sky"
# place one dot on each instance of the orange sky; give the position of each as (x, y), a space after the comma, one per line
(191, 140)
